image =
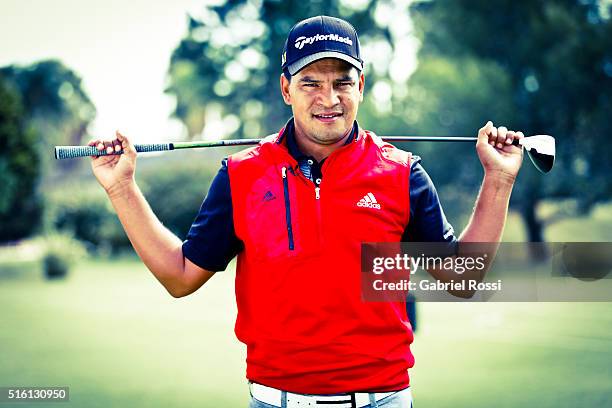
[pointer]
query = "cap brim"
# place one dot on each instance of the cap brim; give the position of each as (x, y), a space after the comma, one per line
(301, 63)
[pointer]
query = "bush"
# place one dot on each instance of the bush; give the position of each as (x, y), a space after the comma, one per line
(61, 252)
(173, 186)
(86, 214)
(175, 189)
(20, 207)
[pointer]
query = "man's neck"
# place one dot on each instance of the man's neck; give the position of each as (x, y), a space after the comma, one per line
(317, 150)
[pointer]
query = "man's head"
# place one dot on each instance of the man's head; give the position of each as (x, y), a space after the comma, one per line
(322, 77)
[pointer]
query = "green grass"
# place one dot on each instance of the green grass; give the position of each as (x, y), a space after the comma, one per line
(514, 354)
(114, 336)
(593, 227)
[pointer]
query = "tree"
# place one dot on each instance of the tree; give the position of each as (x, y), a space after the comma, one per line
(20, 208)
(228, 64)
(42, 105)
(56, 106)
(554, 61)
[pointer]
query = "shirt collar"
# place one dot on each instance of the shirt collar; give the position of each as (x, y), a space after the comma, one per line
(292, 145)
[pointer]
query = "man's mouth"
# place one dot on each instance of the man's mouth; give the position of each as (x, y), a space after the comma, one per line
(328, 116)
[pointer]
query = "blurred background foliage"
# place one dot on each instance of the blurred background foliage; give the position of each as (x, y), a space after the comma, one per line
(42, 105)
(544, 67)
(56, 108)
(551, 66)
(87, 214)
(228, 64)
(20, 207)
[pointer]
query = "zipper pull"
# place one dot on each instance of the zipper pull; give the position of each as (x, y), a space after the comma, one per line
(317, 194)
(284, 171)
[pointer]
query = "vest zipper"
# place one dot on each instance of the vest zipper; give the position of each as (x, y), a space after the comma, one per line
(318, 209)
(287, 209)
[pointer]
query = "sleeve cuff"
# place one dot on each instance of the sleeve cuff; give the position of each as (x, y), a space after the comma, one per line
(196, 257)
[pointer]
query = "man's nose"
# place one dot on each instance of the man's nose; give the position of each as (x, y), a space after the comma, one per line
(329, 97)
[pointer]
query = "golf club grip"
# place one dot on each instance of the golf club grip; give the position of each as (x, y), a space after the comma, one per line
(70, 152)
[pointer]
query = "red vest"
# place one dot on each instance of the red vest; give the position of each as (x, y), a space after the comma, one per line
(298, 286)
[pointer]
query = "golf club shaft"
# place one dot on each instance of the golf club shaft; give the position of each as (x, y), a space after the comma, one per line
(69, 152)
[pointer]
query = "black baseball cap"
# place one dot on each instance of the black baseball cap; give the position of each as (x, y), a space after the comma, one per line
(320, 37)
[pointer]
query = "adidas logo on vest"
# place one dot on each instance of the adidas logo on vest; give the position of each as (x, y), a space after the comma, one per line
(368, 201)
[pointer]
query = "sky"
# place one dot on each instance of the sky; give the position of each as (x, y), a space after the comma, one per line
(120, 49)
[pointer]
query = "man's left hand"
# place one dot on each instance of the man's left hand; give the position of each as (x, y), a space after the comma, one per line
(496, 152)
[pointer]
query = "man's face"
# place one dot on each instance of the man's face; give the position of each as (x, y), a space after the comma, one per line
(324, 98)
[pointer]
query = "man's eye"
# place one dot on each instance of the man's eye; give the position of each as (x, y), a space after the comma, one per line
(311, 85)
(344, 84)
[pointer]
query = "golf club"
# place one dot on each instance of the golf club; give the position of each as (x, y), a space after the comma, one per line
(540, 148)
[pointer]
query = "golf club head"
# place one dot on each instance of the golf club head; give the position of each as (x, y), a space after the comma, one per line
(541, 151)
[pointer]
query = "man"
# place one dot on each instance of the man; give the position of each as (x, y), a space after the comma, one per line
(295, 210)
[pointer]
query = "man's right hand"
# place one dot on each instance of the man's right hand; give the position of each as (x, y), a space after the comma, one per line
(114, 172)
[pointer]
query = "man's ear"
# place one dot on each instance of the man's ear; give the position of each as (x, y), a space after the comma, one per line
(284, 86)
(361, 86)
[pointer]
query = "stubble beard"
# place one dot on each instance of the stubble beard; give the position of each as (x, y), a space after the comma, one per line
(327, 136)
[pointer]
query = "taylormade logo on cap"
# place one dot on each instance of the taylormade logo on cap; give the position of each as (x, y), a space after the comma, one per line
(317, 38)
(300, 41)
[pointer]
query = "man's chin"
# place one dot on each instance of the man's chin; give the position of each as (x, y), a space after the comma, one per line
(329, 137)
(330, 129)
